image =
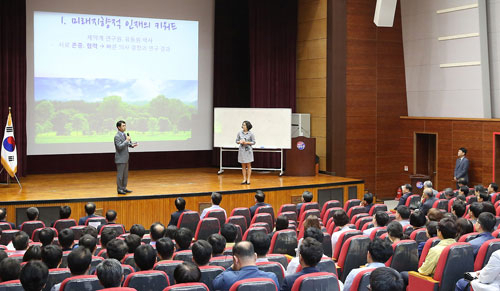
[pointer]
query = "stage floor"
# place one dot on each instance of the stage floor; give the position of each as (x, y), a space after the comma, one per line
(97, 186)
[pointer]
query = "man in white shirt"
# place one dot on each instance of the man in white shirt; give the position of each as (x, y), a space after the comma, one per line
(341, 220)
(403, 215)
(216, 199)
(487, 279)
(380, 218)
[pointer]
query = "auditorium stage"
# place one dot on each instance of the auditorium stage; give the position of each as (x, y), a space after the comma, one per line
(154, 190)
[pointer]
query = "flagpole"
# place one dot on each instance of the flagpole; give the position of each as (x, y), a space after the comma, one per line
(8, 176)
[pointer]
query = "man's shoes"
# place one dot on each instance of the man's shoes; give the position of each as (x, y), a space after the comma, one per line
(127, 191)
(122, 192)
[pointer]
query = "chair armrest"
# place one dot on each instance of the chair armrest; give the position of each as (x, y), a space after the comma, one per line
(418, 282)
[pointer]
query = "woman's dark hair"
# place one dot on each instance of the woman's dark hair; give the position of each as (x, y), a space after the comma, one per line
(340, 218)
(248, 124)
(464, 226)
(281, 223)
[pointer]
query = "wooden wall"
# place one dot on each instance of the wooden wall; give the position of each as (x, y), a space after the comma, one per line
(474, 134)
(311, 69)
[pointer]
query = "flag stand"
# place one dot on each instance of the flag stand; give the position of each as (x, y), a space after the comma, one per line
(8, 179)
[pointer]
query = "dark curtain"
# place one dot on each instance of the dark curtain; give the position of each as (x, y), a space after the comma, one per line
(273, 38)
(13, 74)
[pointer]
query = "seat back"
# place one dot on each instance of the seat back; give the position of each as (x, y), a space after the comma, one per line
(14, 285)
(316, 281)
(468, 237)
(186, 256)
(35, 237)
(470, 199)
(290, 215)
(377, 232)
(261, 224)
(168, 267)
(342, 238)
(119, 289)
(83, 282)
(56, 276)
(77, 231)
(484, 253)
(206, 227)
(284, 242)
(263, 217)
(254, 230)
(7, 236)
(117, 227)
(223, 261)
(355, 210)
(329, 214)
(239, 220)
(327, 265)
(496, 233)
(5, 226)
(273, 267)
(305, 214)
(96, 221)
(287, 208)
(278, 258)
(327, 244)
(266, 209)
(353, 254)
(95, 261)
(450, 203)
(358, 216)
(30, 226)
(329, 204)
(362, 221)
(310, 205)
(454, 261)
(441, 204)
(433, 241)
(376, 208)
(129, 260)
(405, 257)
(187, 287)
(189, 220)
(412, 201)
(219, 214)
(362, 280)
(208, 274)
(261, 284)
(419, 235)
(61, 224)
(245, 212)
(351, 203)
(147, 280)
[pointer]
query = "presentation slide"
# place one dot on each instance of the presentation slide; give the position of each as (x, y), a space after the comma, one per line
(91, 70)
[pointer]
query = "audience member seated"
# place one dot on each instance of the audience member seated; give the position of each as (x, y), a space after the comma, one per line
(110, 219)
(430, 231)
(89, 210)
(20, 243)
(3, 217)
(218, 243)
(107, 235)
(171, 231)
(34, 252)
(462, 182)
(165, 248)
(66, 239)
(450, 216)
(463, 191)
(406, 189)
(464, 226)
(281, 223)
(306, 198)
(52, 256)
(64, 213)
(310, 254)
(311, 221)
(32, 214)
(261, 243)
(9, 269)
(229, 231)
(46, 236)
(434, 215)
(187, 273)
(132, 241)
(244, 267)
(116, 249)
(90, 230)
(417, 219)
(138, 229)
(458, 208)
(483, 196)
(448, 193)
(216, 200)
(110, 273)
(485, 225)
(89, 242)
(157, 231)
(260, 197)
(380, 218)
(202, 252)
(403, 215)
(488, 207)
(295, 262)
(492, 188)
(367, 202)
(379, 252)
(145, 257)
(3, 255)
(427, 200)
(386, 279)
(487, 279)
(78, 263)
(180, 204)
(34, 276)
(394, 232)
(183, 238)
(341, 220)
(474, 210)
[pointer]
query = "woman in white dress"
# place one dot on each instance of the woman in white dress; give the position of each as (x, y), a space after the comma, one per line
(245, 139)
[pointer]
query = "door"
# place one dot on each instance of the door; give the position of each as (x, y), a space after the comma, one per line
(425, 156)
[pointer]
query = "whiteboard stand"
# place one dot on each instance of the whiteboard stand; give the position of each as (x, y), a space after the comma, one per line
(222, 168)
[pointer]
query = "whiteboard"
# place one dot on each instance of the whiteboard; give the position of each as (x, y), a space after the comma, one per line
(272, 127)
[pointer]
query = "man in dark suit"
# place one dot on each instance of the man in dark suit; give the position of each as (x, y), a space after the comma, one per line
(427, 201)
(259, 201)
(306, 198)
(122, 143)
(89, 209)
(310, 254)
(180, 203)
(406, 188)
(3, 216)
(462, 166)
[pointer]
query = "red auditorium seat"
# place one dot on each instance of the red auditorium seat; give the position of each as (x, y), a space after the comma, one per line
(433, 241)
(377, 232)
(78, 231)
(147, 280)
(284, 242)
(188, 219)
(376, 208)
(117, 227)
(262, 224)
(342, 238)
(119, 289)
(355, 210)
(56, 276)
(367, 225)
(329, 204)
(186, 256)
(494, 197)
(261, 284)
(496, 233)
(13, 285)
(278, 258)
(353, 254)
(455, 260)
(405, 257)
(5, 226)
(30, 226)
(129, 260)
(223, 261)
(450, 203)
(96, 221)
(327, 244)
(83, 282)
(484, 253)
(239, 220)
(351, 203)
(316, 281)
(362, 280)
(470, 199)
(61, 224)
(206, 227)
(309, 205)
(263, 217)
(266, 209)
(168, 267)
(412, 201)
(290, 215)
(287, 208)
(329, 214)
(253, 230)
(441, 204)
(273, 267)
(208, 274)
(245, 212)
(219, 214)
(362, 221)
(468, 237)
(187, 287)
(419, 235)
(305, 214)
(36, 234)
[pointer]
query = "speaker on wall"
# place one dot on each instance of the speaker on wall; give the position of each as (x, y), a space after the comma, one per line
(384, 13)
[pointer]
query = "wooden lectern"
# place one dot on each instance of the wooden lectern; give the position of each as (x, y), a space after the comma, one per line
(301, 158)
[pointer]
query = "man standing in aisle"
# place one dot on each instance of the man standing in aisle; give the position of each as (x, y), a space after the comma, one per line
(122, 143)
(462, 166)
